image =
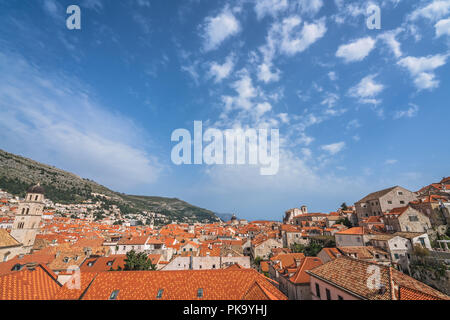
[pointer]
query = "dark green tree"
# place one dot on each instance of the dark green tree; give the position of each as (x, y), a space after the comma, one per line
(138, 262)
(257, 261)
(345, 221)
(344, 206)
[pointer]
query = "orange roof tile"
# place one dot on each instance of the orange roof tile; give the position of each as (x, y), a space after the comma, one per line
(222, 284)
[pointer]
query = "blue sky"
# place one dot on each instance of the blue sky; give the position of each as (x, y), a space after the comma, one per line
(358, 110)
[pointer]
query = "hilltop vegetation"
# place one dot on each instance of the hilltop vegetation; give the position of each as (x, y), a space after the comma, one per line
(18, 173)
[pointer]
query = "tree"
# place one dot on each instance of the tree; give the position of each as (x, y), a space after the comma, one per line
(138, 262)
(345, 221)
(344, 206)
(257, 261)
(315, 246)
(420, 251)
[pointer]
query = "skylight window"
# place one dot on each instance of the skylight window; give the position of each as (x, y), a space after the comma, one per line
(200, 293)
(160, 293)
(114, 295)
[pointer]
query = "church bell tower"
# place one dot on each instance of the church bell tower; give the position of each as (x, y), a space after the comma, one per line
(28, 217)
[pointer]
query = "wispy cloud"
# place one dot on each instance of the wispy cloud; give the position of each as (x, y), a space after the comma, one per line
(217, 29)
(422, 69)
(334, 148)
(411, 112)
(357, 50)
(367, 90)
(55, 117)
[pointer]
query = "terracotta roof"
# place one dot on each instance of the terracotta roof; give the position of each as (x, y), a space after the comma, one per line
(287, 259)
(411, 294)
(333, 253)
(222, 284)
(377, 194)
(307, 263)
(37, 284)
(355, 231)
(397, 211)
(103, 263)
(353, 275)
(36, 258)
(264, 266)
(234, 266)
(133, 240)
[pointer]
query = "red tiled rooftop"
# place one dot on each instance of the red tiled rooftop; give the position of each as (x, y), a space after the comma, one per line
(224, 284)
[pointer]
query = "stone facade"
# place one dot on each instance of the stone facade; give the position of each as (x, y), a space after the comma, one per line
(264, 249)
(375, 204)
(408, 220)
(206, 263)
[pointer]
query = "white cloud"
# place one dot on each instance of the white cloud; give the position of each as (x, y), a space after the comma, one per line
(390, 39)
(332, 75)
(221, 71)
(356, 50)
(330, 100)
(270, 7)
(54, 119)
(334, 148)
(265, 73)
(353, 124)
(262, 108)
(54, 9)
(275, 7)
(218, 29)
(143, 3)
(422, 69)
(409, 113)
(288, 37)
(432, 11)
(293, 41)
(390, 161)
(309, 6)
(367, 90)
(443, 27)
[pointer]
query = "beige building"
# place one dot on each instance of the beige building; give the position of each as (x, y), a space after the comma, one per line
(291, 234)
(376, 203)
(263, 247)
(28, 218)
(290, 214)
(406, 219)
(351, 279)
(25, 226)
(207, 262)
(9, 247)
(353, 237)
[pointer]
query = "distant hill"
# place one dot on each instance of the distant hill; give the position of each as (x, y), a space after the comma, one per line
(18, 173)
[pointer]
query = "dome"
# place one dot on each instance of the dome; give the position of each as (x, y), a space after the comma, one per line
(36, 189)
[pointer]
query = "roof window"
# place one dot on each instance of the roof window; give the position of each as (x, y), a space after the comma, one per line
(114, 295)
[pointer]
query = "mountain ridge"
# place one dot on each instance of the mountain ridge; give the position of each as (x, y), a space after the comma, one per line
(17, 173)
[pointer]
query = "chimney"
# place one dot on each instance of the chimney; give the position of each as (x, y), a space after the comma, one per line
(87, 251)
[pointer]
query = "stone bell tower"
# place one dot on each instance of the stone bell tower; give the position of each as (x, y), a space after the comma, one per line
(28, 217)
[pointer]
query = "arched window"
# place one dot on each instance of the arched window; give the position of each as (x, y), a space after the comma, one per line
(28, 210)
(23, 210)
(36, 198)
